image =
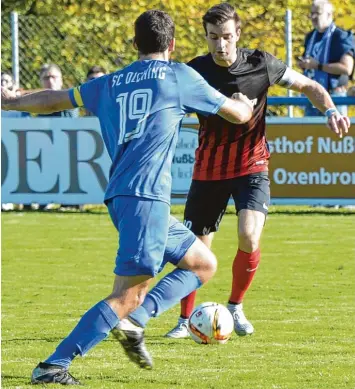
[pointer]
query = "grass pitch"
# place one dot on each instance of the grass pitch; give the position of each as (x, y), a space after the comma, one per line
(55, 266)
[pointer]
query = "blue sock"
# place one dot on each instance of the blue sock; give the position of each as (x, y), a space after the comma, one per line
(168, 292)
(92, 328)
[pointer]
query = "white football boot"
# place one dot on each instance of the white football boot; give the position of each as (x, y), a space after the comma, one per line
(242, 325)
(180, 331)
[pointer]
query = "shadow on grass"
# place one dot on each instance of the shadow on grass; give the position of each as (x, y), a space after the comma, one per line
(179, 210)
(91, 211)
(49, 340)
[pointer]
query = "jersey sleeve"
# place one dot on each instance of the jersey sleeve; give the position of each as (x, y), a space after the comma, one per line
(275, 68)
(87, 95)
(346, 43)
(196, 95)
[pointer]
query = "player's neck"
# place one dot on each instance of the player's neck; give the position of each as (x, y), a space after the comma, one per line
(226, 63)
(154, 56)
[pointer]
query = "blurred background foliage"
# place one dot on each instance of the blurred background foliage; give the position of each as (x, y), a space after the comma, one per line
(77, 34)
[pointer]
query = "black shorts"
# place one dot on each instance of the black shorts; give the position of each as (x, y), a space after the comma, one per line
(207, 200)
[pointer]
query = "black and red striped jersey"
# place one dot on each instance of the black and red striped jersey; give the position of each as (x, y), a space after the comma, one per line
(228, 150)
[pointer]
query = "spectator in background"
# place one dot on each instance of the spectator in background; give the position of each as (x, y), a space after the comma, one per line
(351, 91)
(51, 78)
(329, 54)
(7, 82)
(94, 72)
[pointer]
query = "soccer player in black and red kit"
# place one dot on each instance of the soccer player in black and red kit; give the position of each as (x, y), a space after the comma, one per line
(232, 160)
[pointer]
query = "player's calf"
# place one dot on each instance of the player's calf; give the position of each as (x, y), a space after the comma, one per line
(200, 260)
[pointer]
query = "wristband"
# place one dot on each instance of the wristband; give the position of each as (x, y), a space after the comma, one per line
(331, 111)
(320, 67)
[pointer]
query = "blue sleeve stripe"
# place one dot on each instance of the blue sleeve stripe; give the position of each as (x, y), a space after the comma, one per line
(75, 97)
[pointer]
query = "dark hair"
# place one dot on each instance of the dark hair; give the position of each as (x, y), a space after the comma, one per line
(95, 69)
(47, 67)
(154, 31)
(220, 14)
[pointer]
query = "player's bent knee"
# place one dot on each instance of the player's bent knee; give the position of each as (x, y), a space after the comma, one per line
(200, 260)
(210, 267)
(248, 241)
(250, 227)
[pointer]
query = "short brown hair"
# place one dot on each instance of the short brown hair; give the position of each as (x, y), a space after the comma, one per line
(220, 14)
(154, 31)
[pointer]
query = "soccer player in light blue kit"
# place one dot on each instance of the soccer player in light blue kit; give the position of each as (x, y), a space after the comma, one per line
(140, 109)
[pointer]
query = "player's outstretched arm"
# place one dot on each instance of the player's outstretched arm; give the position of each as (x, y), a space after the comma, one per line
(46, 101)
(319, 97)
(238, 109)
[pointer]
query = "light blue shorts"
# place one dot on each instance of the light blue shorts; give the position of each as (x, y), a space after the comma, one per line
(149, 236)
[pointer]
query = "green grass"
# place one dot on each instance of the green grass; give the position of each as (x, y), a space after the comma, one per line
(55, 266)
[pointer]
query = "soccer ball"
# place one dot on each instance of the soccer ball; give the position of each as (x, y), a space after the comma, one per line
(211, 323)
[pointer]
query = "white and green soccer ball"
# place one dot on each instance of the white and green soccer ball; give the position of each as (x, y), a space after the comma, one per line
(211, 323)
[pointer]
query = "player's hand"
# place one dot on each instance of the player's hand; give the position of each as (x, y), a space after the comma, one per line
(239, 96)
(339, 124)
(6, 96)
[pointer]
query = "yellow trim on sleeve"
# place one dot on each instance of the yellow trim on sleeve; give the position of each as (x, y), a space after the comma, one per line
(77, 97)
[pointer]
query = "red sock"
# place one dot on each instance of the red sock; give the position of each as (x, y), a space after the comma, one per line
(244, 268)
(187, 305)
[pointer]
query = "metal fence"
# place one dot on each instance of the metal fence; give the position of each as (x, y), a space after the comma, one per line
(77, 43)
(55, 39)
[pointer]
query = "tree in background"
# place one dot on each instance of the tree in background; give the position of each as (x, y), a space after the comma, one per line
(77, 34)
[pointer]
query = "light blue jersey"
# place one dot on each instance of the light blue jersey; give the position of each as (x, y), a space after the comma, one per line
(140, 109)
